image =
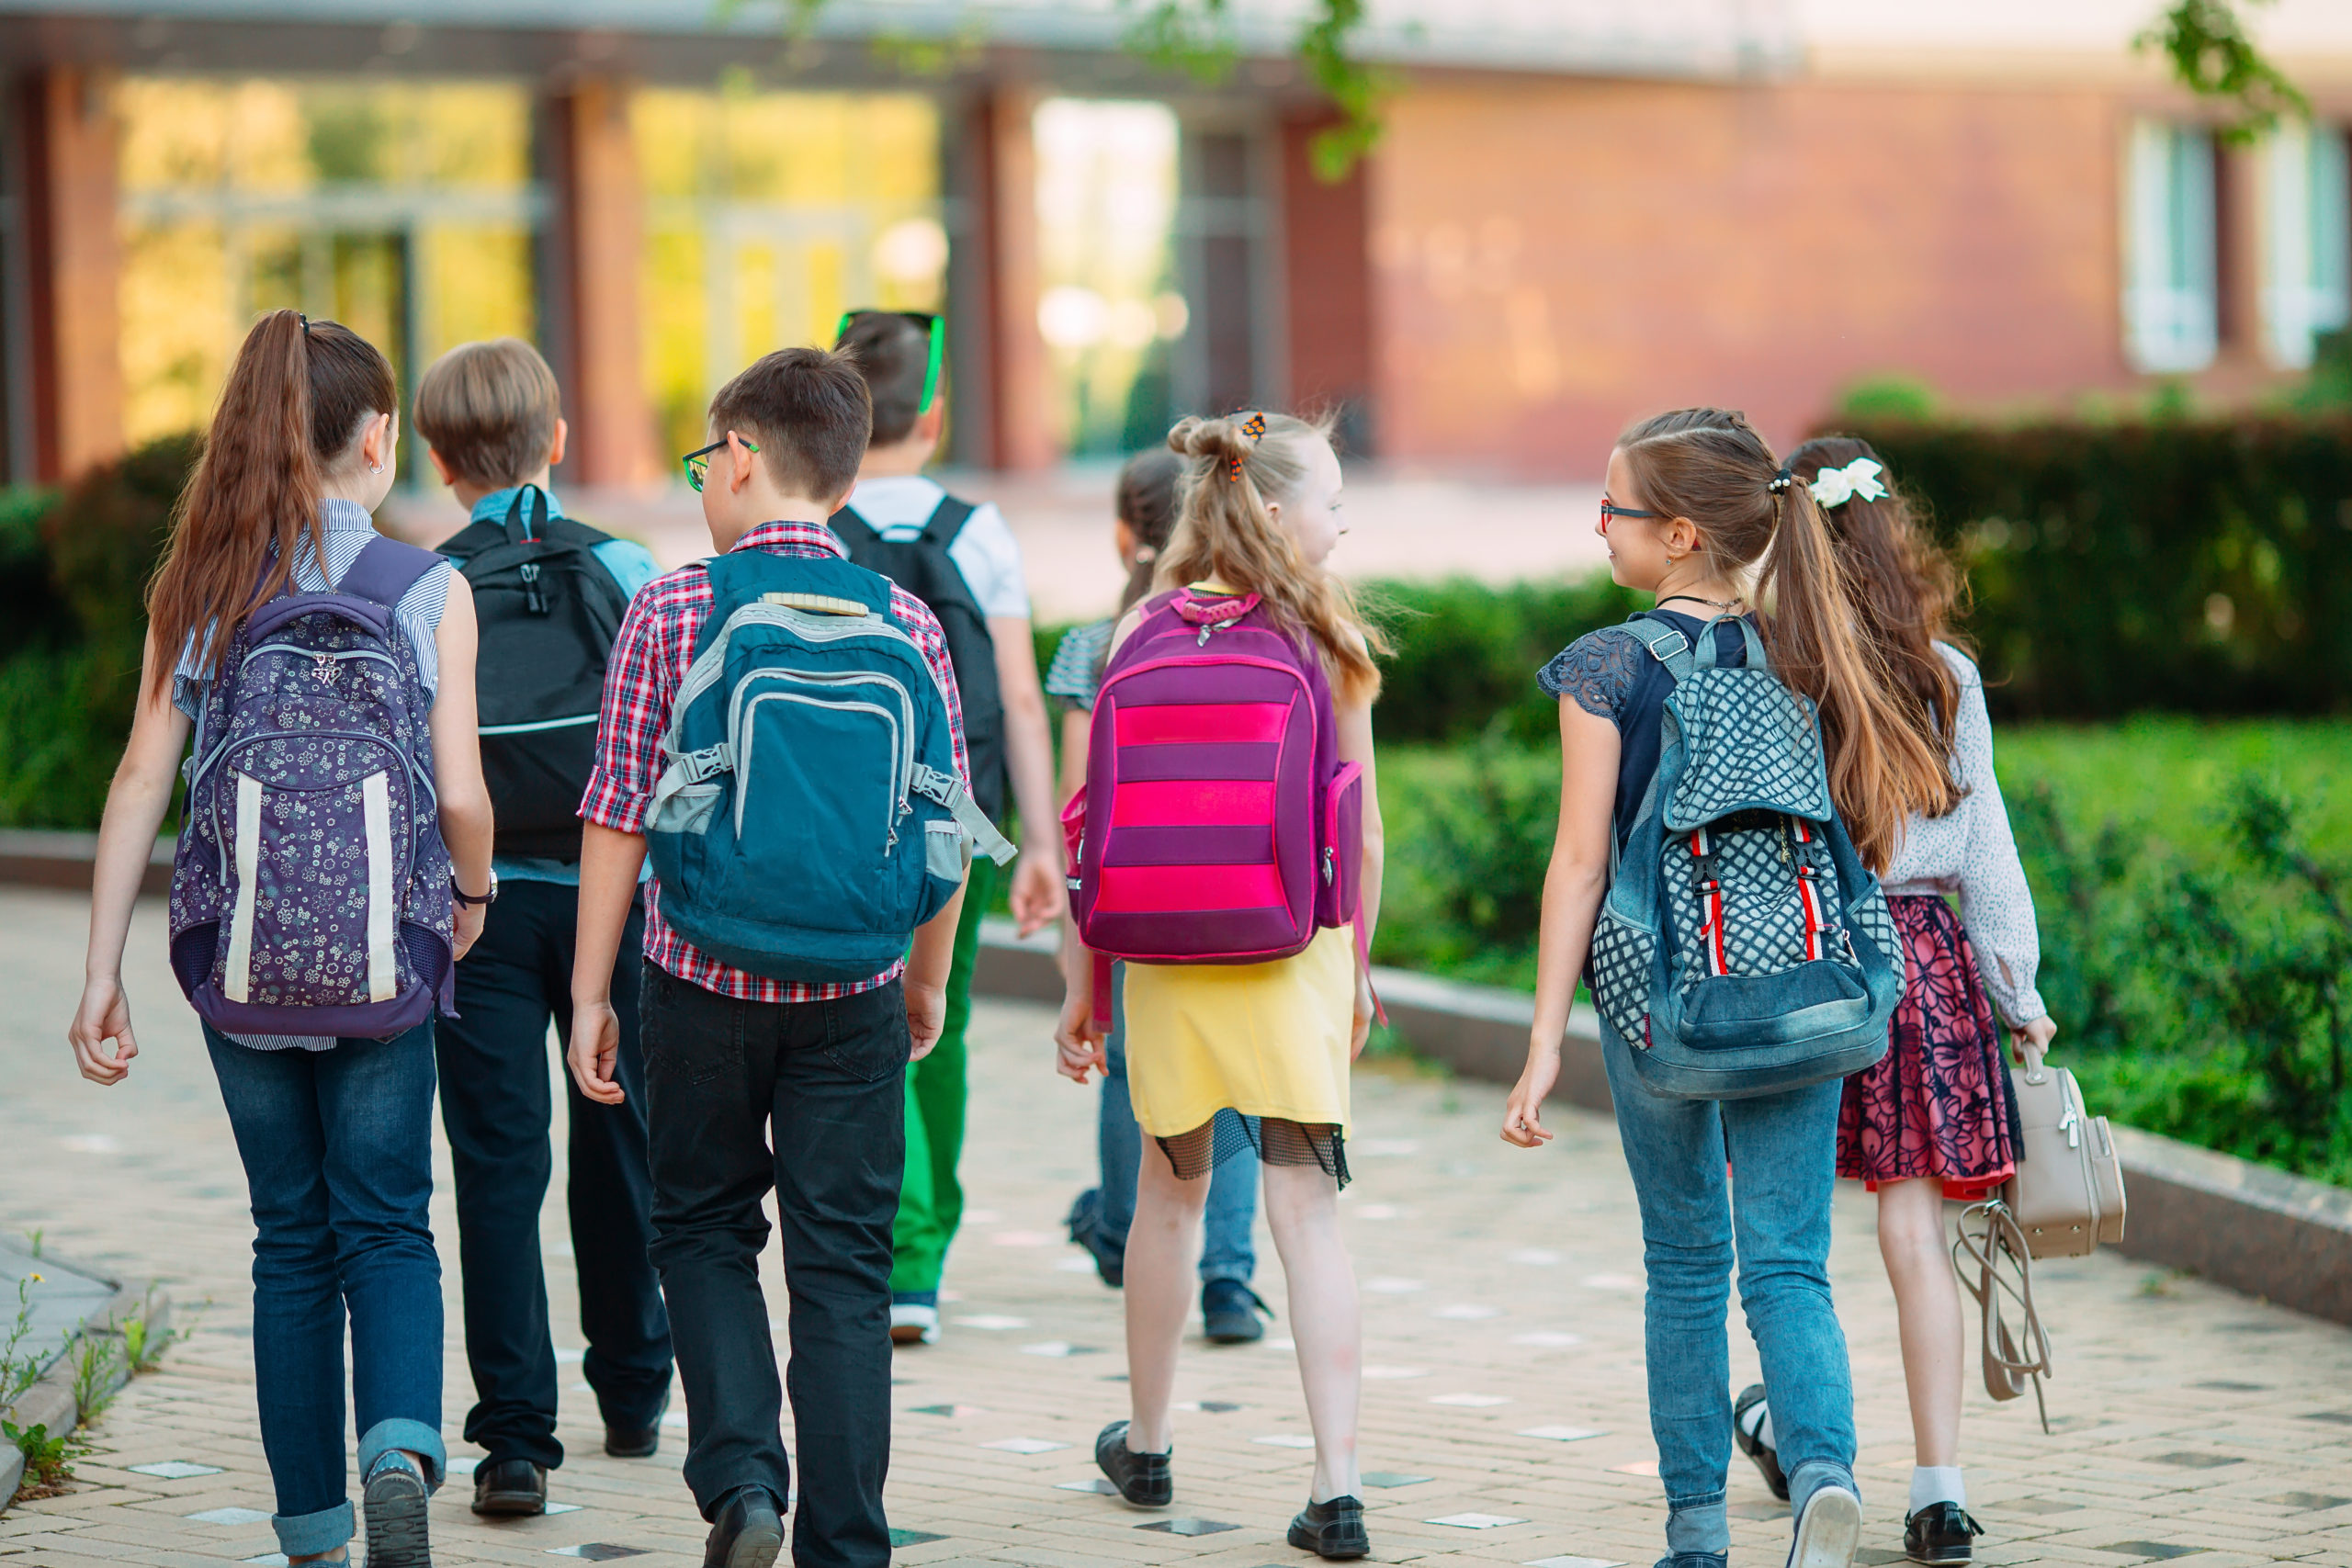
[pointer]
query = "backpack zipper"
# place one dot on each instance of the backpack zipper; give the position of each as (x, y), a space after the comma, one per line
(905, 771)
(705, 671)
(529, 572)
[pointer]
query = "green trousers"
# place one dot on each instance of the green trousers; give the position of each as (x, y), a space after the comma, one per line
(931, 1199)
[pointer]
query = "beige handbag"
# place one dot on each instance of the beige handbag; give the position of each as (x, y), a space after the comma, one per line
(2065, 1199)
(2067, 1194)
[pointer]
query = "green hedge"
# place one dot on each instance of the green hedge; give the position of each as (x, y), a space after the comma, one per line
(2186, 566)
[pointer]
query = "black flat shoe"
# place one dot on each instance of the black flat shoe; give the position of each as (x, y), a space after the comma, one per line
(1767, 1458)
(510, 1489)
(1144, 1480)
(1940, 1533)
(1229, 1311)
(748, 1534)
(636, 1442)
(1333, 1530)
(395, 1503)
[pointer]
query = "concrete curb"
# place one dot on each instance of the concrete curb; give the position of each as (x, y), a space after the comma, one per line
(2260, 1231)
(52, 1402)
(40, 857)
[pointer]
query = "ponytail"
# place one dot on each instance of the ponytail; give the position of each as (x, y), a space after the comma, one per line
(294, 401)
(1709, 465)
(1145, 501)
(1225, 534)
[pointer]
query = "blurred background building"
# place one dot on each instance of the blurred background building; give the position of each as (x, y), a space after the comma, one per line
(1582, 210)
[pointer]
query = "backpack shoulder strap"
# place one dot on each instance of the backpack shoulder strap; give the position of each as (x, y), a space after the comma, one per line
(385, 570)
(1665, 643)
(855, 531)
(947, 520)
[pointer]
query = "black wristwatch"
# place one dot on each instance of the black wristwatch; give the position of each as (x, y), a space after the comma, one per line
(468, 900)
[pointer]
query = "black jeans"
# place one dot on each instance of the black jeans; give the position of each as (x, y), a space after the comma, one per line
(827, 1081)
(495, 1104)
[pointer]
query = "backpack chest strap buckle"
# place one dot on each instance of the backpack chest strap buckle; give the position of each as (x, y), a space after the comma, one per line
(711, 761)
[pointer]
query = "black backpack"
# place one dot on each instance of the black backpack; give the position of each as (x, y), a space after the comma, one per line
(548, 611)
(922, 567)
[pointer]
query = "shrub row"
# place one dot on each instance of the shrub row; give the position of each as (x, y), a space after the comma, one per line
(2187, 566)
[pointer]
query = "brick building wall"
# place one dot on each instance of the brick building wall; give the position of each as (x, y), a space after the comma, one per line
(1554, 258)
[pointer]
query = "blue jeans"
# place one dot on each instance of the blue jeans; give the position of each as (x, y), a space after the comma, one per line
(338, 1153)
(1225, 1252)
(1782, 1149)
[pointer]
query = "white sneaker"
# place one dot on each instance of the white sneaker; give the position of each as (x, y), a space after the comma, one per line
(913, 1324)
(1829, 1531)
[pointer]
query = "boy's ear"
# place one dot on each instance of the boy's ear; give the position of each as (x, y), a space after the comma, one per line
(932, 419)
(742, 463)
(441, 466)
(555, 448)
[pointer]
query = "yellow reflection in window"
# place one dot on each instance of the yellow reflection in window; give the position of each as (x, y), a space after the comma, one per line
(767, 215)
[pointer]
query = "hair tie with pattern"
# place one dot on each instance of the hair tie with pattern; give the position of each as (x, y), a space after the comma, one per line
(1254, 427)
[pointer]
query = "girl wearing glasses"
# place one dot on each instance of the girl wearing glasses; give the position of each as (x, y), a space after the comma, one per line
(1701, 513)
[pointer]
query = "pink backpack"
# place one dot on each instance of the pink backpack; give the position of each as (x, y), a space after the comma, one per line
(1217, 824)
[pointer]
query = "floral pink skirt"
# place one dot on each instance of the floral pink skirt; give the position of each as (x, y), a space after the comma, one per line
(1938, 1102)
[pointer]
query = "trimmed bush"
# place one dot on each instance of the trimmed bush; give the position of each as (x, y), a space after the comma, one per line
(2189, 565)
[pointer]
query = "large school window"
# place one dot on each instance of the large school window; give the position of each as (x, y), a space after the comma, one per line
(769, 214)
(404, 209)
(2170, 308)
(2307, 284)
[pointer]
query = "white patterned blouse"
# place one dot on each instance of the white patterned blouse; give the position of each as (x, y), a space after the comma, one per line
(1973, 853)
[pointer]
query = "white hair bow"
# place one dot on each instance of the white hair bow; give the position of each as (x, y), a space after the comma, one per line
(1835, 487)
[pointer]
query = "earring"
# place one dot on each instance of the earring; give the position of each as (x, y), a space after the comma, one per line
(375, 467)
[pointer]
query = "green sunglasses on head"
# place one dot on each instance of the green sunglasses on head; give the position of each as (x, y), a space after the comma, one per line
(935, 325)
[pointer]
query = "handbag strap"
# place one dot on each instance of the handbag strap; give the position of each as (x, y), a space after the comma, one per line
(2003, 1269)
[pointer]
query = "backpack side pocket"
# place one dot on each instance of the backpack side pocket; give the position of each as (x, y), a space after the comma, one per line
(1339, 870)
(1622, 957)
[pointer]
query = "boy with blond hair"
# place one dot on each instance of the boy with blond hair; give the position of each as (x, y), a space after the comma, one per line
(549, 595)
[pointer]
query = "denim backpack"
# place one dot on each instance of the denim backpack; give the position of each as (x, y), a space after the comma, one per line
(311, 887)
(1743, 948)
(810, 816)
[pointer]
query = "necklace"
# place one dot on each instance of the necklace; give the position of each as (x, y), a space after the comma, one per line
(1693, 598)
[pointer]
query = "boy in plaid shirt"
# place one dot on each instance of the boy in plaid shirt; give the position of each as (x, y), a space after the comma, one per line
(732, 1058)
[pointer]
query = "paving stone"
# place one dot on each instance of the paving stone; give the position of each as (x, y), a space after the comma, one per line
(2249, 1457)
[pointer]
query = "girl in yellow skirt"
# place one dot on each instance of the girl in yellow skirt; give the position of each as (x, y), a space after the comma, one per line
(1224, 1059)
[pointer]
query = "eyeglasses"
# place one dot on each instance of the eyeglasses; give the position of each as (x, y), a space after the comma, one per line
(697, 462)
(1610, 511)
(935, 325)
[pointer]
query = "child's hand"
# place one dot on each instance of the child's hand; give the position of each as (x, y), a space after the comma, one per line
(2037, 1034)
(1365, 1013)
(1078, 1041)
(1524, 1116)
(104, 1015)
(470, 919)
(1040, 891)
(595, 1044)
(926, 1019)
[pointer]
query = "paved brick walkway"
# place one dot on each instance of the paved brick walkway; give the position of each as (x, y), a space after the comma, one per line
(1503, 1342)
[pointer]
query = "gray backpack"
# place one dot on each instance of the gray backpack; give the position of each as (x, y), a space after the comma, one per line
(1743, 948)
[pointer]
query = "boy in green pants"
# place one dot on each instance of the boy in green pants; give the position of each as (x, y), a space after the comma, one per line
(962, 560)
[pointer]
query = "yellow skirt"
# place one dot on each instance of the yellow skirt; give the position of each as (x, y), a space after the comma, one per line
(1263, 1039)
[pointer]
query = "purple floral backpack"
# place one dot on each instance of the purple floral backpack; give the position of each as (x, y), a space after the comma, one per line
(310, 889)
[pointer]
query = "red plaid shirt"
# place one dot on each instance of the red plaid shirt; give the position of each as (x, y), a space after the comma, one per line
(650, 659)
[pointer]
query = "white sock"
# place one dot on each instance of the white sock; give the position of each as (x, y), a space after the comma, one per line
(1933, 1484)
(1759, 1422)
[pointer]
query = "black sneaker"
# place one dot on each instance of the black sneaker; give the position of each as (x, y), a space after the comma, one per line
(1767, 1458)
(510, 1489)
(1230, 1311)
(637, 1442)
(1940, 1532)
(1144, 1480)
(1333, 1530)
(395, 1502)
(1085, 1223)
(746, 1533)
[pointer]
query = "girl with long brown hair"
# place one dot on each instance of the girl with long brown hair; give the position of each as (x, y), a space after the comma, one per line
(1699, 512)
(1216, 1050)
(335, 1132)
(1934, 1119)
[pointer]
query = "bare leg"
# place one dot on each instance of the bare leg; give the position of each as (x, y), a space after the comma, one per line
(1927, 1305)
(1303, 1210)
(1161, 1244)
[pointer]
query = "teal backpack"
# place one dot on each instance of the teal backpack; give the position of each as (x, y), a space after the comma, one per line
(1743, 948)
(810, 816)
